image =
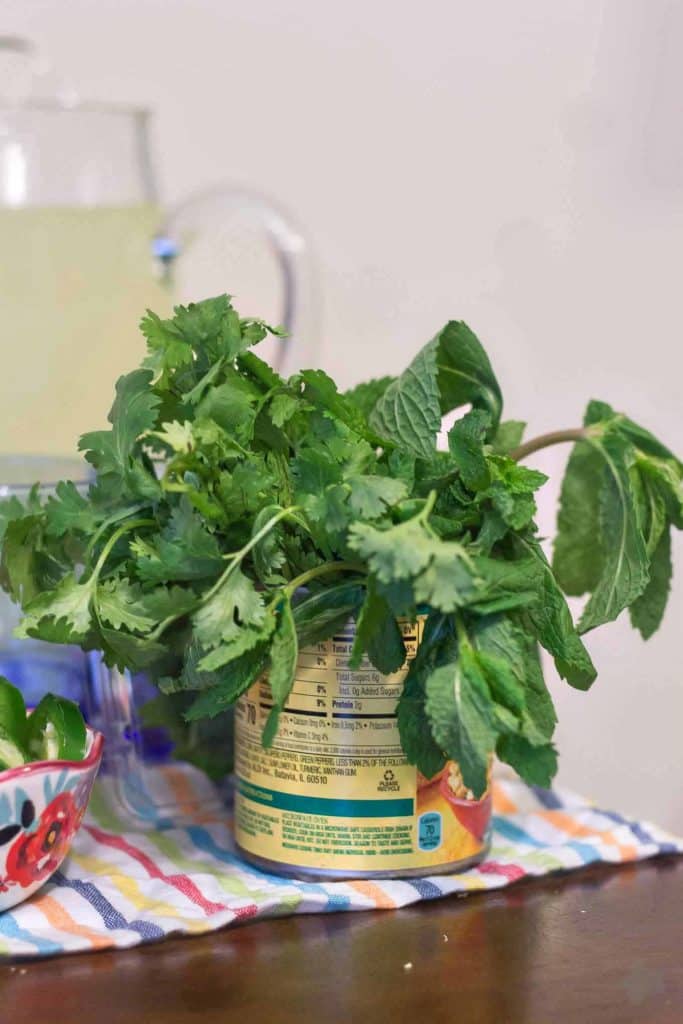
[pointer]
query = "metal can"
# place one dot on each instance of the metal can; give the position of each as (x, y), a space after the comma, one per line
(334, 797)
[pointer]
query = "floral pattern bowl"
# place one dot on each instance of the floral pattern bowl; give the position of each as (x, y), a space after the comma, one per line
(41, 808)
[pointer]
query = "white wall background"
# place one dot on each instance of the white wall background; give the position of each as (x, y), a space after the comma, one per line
(518, 165)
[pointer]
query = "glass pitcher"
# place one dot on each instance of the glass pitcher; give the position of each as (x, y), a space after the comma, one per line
(85, 248)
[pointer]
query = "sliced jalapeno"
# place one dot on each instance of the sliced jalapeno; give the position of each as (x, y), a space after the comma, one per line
(56, 731)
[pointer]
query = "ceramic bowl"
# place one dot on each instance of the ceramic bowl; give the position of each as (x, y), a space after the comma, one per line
(41, 808)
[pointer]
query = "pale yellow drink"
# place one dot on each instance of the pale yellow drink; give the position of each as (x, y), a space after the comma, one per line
(74, 283)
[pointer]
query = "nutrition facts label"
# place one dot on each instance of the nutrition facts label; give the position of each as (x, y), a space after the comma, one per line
(335, 791)
(332, 709)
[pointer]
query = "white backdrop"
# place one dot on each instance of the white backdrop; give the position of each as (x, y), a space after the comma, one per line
(517, 165)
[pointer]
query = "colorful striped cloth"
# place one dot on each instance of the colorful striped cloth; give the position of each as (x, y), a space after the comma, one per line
(123, 884)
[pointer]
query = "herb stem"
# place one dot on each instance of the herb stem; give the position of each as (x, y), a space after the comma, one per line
(429, 504)
(546, 440)
(235, 560)
(116, 535)
(323, 570)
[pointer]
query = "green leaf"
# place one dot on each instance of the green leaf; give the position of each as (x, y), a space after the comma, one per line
(176, 436)
(504, 639)
(505, 687)
(625, 564)
(167, 349)
(69, 603)
(399, 552)
(233, 605)
(371, 495)
(466, 445)
(321, 391)
(69, 510)
(578, 557)
(415, 729)
(320, 615)
(459, 709)
(366, 395)
(118, 603)
(537, 765)
(552, 623)
(465, 373)
(239, 676)
(283, 661)
(408, 412)
(133, 413)
(647, 611)
(10, 509)
(283, 407)
(377, 633)
(232, 407)
(138, 654)
(244, 639)
(267, 554)
(508, 436)
(184, 550)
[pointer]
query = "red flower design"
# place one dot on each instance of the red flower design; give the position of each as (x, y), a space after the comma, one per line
(35, 855)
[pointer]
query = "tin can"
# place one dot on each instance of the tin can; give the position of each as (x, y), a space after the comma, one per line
(335, 797)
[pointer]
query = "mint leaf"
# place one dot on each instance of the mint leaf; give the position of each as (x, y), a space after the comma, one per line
(465, 443)
(283, 661)
(459, 709)
(408, 412)
(625, 564)
(378, 634)
(366, 395)
(552, 623)
(536, 764)
(465, 373)
(239, 676)
(508, 436)
(578, 558)
(415, 729)
(647, 611)
(320, 615)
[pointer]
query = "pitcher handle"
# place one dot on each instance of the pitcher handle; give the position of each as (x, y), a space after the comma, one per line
(292, 253)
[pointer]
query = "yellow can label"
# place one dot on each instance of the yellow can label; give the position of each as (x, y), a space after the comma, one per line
(335, 791)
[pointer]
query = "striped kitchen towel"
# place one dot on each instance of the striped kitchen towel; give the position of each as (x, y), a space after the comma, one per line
(123, 884)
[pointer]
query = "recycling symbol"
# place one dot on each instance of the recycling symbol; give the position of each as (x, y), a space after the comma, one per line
(389, 775)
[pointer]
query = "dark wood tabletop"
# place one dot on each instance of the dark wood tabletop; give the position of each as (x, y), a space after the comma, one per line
(599, 945)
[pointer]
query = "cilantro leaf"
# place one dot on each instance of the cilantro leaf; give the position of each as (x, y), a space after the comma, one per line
(371, 495)
(133, 413)
(184, 550)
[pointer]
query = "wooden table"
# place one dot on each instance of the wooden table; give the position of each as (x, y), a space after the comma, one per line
(599, 945)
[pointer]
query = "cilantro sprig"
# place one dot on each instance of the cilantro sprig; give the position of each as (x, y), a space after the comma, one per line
(235, 516)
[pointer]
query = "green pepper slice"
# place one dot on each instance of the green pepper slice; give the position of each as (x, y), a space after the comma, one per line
(12, 754)
(56, 731)
(12, 712)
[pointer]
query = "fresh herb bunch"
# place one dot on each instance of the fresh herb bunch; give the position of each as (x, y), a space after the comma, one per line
(236, 515)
